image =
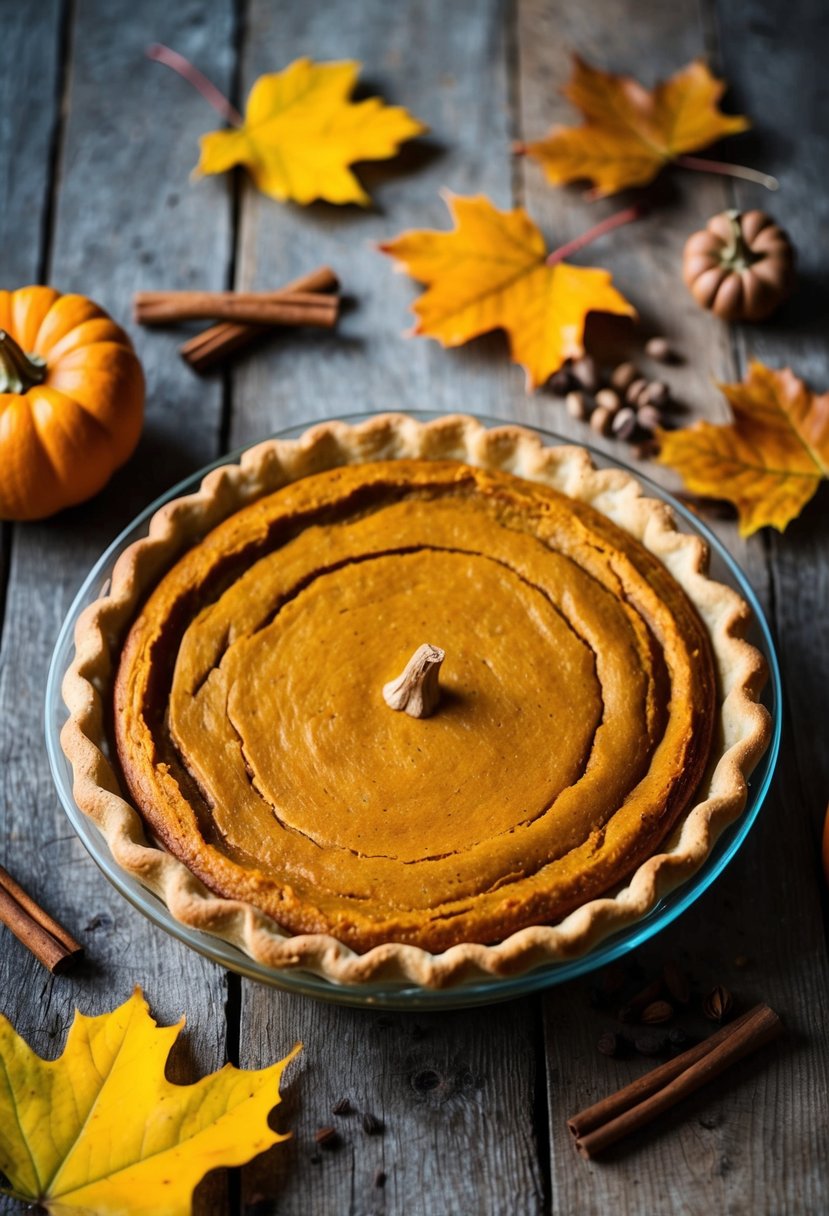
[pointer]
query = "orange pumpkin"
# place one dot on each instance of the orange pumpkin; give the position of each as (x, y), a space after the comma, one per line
(71, 401)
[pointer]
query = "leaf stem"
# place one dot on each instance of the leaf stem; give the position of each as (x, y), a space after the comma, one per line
(701, 165)
(171, 59)
(606, 225)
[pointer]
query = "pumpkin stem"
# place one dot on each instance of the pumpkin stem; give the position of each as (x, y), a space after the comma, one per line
(738, 254)
(18, 371)
(607, 225)
(172, 59)
(717, 166)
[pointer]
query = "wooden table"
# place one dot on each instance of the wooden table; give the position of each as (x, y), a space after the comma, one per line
(96, 145)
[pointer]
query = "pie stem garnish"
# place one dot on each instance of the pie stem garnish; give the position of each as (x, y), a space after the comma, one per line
(416, 690)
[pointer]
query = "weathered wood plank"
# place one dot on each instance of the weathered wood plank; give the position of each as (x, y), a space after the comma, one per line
(30, 78)
(126, 216)
(451, 1091)
(455, 1092)
(794, 137)
(434, 63)
(711, 1157)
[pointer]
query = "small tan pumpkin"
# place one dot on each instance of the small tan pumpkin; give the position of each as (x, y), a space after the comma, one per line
(741, 266)
(71, 401)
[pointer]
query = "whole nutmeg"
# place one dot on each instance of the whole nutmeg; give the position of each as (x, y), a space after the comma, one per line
(586, 372)
(608, 399)
(600, 420)
(661, 350)
(624, 423)
(648, 417)
(576, 405)
(741, 266)
(623, 376)
(608, 1044)
(635, 390)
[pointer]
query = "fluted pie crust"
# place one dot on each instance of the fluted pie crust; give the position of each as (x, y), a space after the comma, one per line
(598, 721)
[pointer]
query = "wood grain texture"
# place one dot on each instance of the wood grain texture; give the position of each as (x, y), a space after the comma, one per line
(794, 137)
(447, 65)
(464, 1141)
(125, 218)
(451, 1092)
(715, 1150)
(30, 80)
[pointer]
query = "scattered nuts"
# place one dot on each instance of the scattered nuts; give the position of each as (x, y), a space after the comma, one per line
(657, 1012)
(372, 1126)
(635, 389)
(624, 423)
(586, 372)
(343, 1107)
(600, 420)
(576, 405)
(623, 376)
(660, 350)
(648, 417)
(608, 399)
(676, 982)
(326, 1137)
(562, 381)
(718, 1004)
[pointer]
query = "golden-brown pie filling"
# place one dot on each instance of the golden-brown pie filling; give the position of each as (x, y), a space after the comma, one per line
(575, 720)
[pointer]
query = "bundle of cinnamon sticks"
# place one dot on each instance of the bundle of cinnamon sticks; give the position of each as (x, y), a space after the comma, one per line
(650, 1096)
(35, 928)
(241, 316)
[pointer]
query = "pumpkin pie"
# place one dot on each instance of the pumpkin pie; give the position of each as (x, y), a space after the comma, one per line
(591, 722)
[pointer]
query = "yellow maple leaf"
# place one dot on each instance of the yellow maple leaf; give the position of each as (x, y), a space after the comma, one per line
(770, 461)
(100, 1130)
(301, 133)
(631, 132)
(491, 272)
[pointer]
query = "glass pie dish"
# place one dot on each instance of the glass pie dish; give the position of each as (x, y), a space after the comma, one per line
(396, 992)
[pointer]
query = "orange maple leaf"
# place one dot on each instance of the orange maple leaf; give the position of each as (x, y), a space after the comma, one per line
(769, 461)
(491, 272)
(631, 132)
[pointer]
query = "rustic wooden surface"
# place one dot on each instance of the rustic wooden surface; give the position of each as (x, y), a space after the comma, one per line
(96, 145)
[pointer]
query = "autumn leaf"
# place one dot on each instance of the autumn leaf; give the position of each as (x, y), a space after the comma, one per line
(491, 272)
(770, 461)
(101, 1130)
(631, 132)
(301, 133)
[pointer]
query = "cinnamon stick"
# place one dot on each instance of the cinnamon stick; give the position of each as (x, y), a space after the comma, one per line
(645, 1099)
(262, 308)
(214, 344)
(36, 929)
